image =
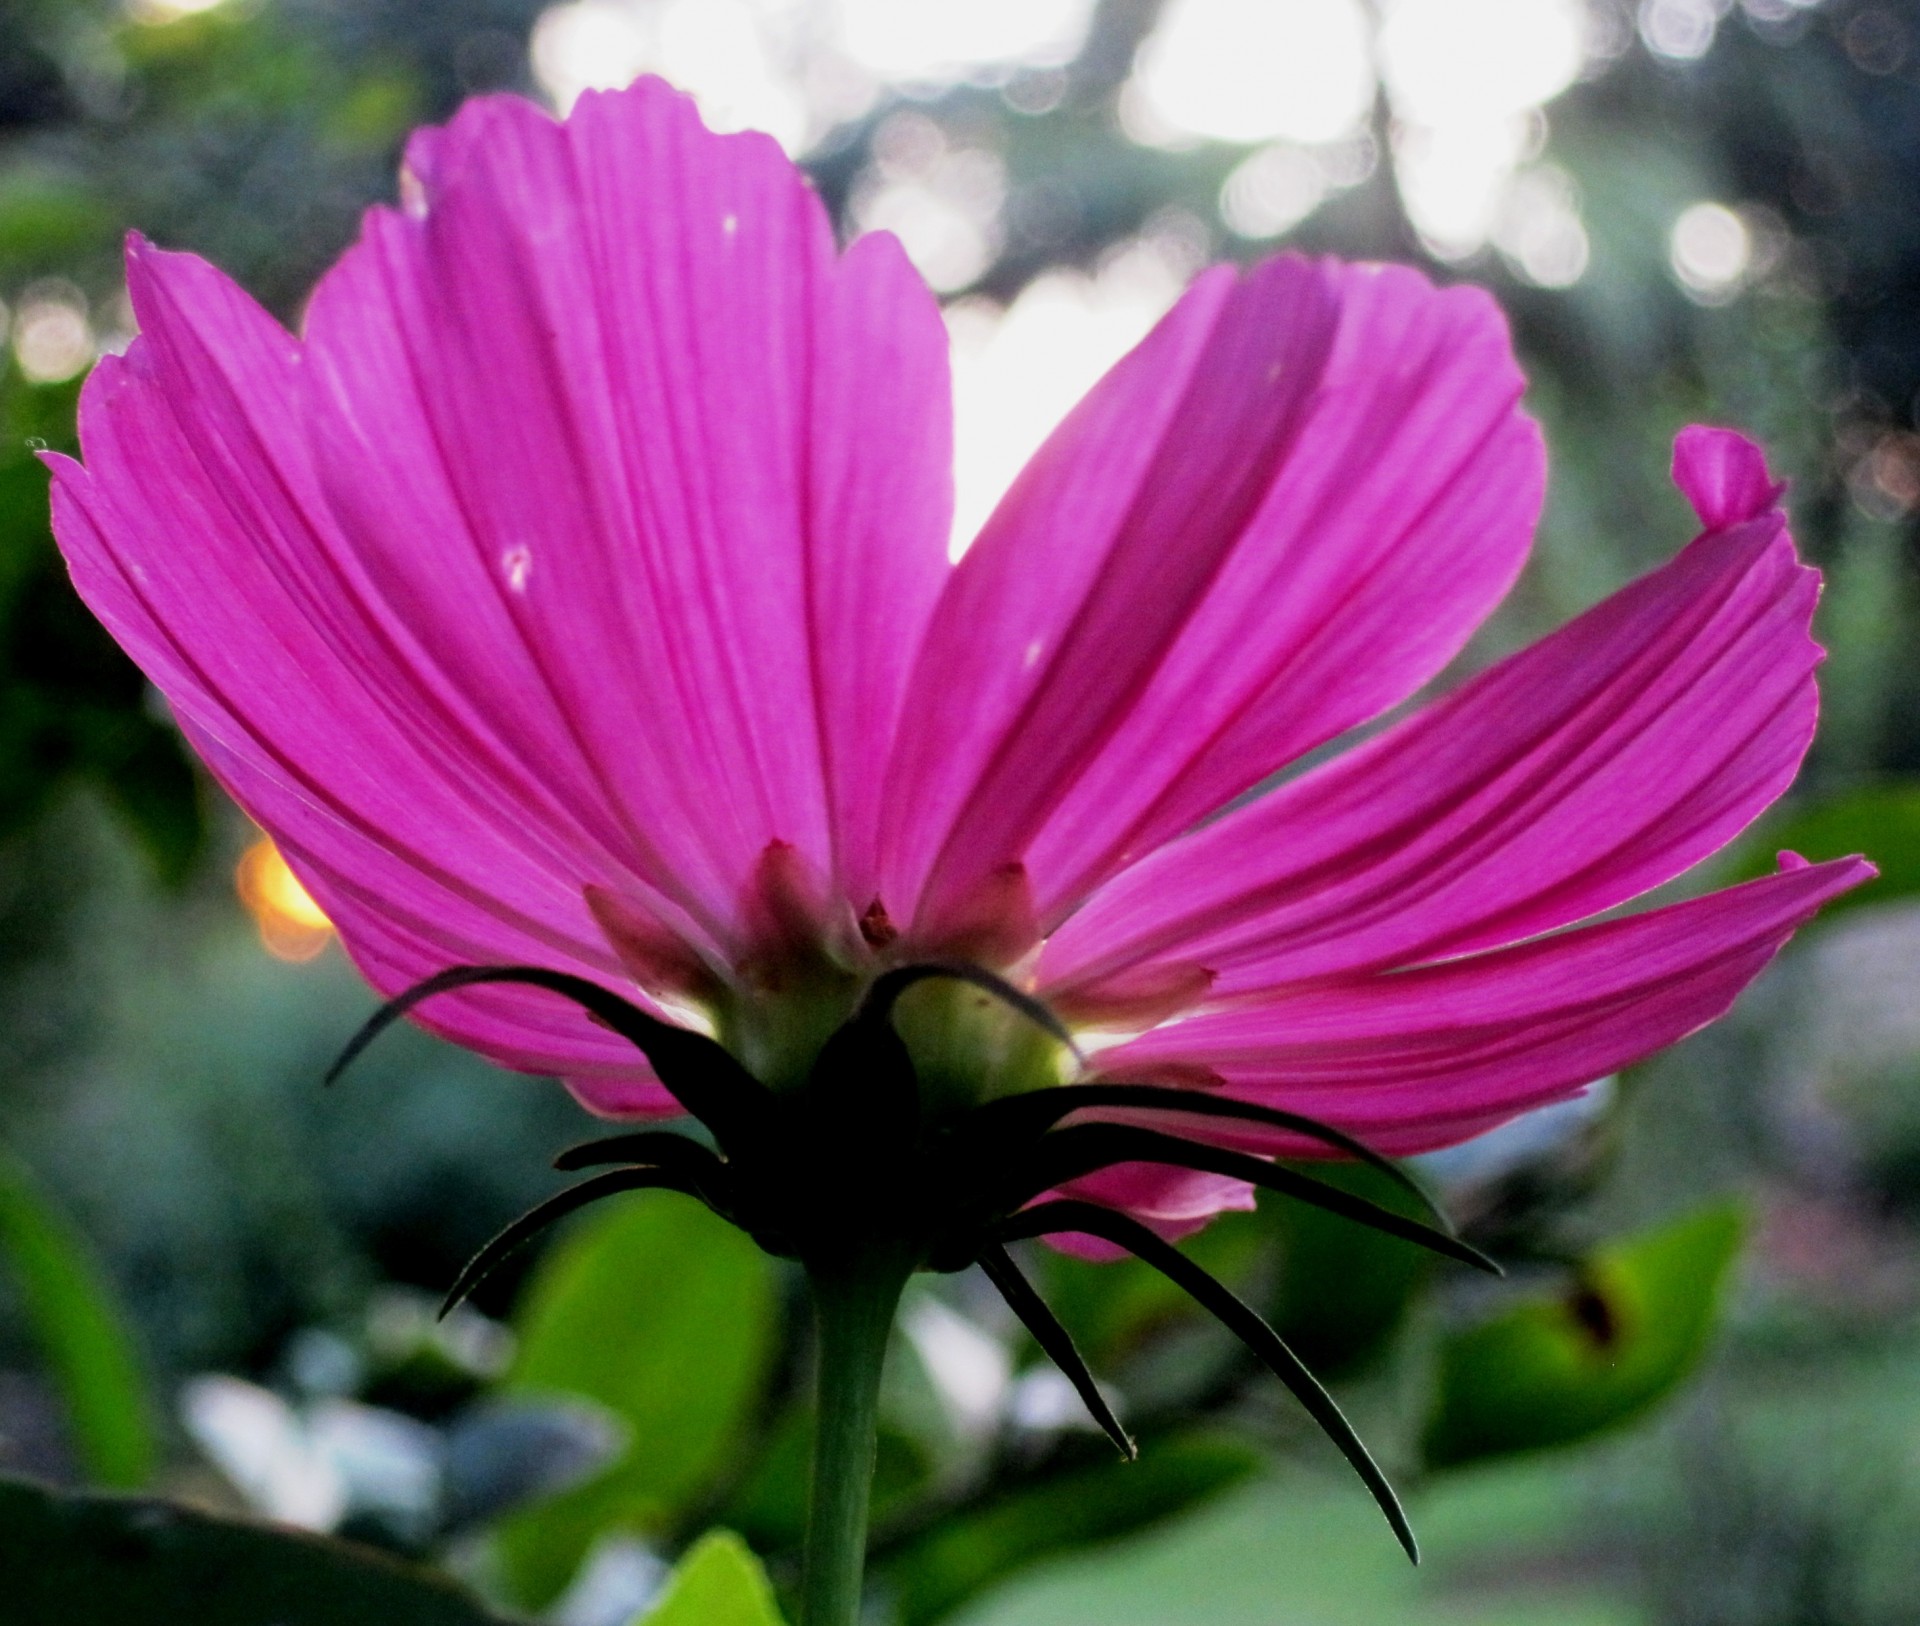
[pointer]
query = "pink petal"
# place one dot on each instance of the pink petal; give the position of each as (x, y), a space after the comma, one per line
(630, 331)
(1174, 1203)
(1416, 1059)
(1597, 764)
(1281, 514)
(481, 598)
(316, 717)
(1724, 475)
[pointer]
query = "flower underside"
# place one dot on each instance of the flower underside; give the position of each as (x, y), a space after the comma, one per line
(821, 1172)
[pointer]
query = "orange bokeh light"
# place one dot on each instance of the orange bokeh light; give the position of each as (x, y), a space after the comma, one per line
(292, 926)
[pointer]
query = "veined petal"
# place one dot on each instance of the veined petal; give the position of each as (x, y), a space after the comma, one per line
(1174, 1203)
(534, 567)
(1409, 1060)
(1506, 811)
(1282, 513)
(1567, 779)
(690, 469)
(199, 538)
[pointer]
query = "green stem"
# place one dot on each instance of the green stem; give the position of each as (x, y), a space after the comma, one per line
(854, 1305)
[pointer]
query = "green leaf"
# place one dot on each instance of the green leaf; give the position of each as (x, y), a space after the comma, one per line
(938, 1571)
(81, 1332)
(718, 1583)
(117, 1561)
(1344, 1289)
(665, 1316)
(1881, 821)
(1555, 1369)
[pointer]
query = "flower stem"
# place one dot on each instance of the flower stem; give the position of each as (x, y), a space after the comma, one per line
(854, 1303)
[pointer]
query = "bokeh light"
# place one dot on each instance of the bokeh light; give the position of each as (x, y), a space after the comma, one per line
(1257, 70)
(1016, 373)
(168, 11)
(942, 200)
(291, 925)
(727, 53)
(52, 338)
(1710, 250)
(1448, 62)
(929, 40)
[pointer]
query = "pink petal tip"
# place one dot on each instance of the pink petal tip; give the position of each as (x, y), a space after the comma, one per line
(1724, 475)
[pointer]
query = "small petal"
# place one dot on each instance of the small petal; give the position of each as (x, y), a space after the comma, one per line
(1173, 1203)
(1724, 475)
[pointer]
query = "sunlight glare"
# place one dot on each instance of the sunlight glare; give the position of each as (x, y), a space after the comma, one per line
(1454, 179)
(1457, 61)
(1711, 251)
(159, 12)
(291, 925)
(1258, 70)
(52, 338)
(1016, 373)
(723, 52)
(939, 39)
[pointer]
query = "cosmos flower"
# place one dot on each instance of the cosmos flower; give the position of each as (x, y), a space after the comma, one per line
(573, 593)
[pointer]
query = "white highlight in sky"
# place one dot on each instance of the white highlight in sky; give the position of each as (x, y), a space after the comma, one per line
(941, 200)
(721, 51)
(1710, 251)
(943, 39)
(1681, 30)
(1017, 373)
(1539, 232)
(1258, 70)
(167, 11)
(52, 338)
(1454, 178)
(1475, 61)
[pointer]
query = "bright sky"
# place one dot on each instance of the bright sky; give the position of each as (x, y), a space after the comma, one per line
(1293, 80)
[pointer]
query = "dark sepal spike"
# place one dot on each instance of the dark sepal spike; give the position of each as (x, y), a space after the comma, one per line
(1017, 1116)
(537, 1219)
(1082, 1149)
(1055, 1342)
(659, 1148)
(696, 1071)
(1057, 1218)
(889, 986)
(864, 1080)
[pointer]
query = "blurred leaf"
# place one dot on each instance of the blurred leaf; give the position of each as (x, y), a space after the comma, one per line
(502, 1456)
(1344, 1289)
(1114, 1307)
(47, 219)
(111, 1561)
(769, 1506)
(933, 1574)
(72, 706)
(718, 1583)
(1551, 1370)
(665, 1316)
(81, 1332)
(1881, 821)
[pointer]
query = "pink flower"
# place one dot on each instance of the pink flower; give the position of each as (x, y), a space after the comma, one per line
(574, 592)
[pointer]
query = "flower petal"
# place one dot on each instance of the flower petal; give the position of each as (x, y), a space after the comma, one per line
(1567, 779)
(1282, 513)
(469, 642)
(690, 470)
(1411, 1060)
(1173, 1203)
